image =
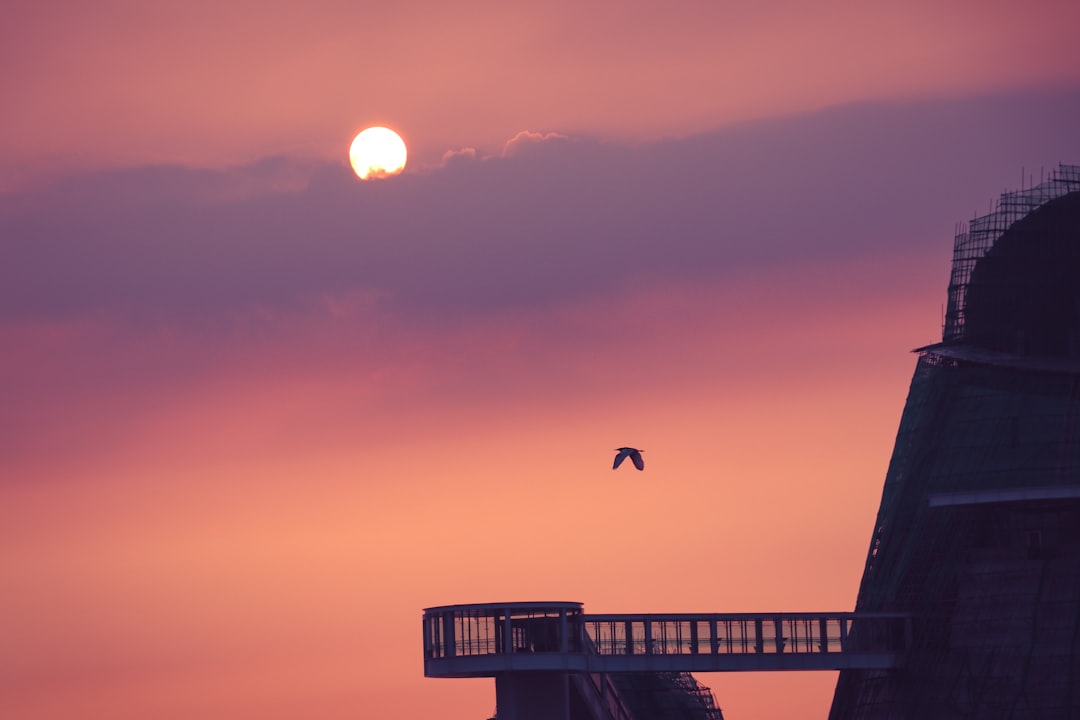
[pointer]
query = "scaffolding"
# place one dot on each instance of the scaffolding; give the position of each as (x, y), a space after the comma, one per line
(668, 695)
(974, 238)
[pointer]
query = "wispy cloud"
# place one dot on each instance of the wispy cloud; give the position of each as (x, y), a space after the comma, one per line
(571, 218)
(465, 154)
(527, 139)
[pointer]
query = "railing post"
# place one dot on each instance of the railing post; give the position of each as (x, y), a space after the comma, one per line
(428, 644)
(448, 634)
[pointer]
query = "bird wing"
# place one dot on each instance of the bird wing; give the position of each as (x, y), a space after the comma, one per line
(639, 463)
(619, 458)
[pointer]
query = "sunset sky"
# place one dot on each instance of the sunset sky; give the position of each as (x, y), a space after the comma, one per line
(257, 414)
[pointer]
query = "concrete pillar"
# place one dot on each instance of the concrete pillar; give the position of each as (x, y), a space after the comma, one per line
(532, 696)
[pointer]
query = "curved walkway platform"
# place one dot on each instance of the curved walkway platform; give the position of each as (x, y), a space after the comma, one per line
(493, 639)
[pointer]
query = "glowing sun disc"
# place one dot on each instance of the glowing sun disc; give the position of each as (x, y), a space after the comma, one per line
(377, 152)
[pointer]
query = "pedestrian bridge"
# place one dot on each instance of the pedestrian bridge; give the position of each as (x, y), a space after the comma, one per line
(491, 640)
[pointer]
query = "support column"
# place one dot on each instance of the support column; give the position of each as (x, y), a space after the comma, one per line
(532, 696)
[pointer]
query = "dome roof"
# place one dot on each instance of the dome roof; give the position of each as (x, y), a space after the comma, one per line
(1024, 294)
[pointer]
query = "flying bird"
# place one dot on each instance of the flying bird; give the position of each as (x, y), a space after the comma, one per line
(632, 453)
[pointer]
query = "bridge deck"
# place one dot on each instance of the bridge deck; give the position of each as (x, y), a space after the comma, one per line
(487, 640)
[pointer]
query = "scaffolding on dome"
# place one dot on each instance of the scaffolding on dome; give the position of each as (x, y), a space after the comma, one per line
(974, 238)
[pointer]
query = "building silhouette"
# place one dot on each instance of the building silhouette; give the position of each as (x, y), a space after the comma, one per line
(969, 605)
(978, 532)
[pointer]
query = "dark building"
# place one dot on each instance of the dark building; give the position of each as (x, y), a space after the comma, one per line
(978, 532)
(969, 605)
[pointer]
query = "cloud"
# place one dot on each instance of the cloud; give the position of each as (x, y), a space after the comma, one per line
(527, 139)
(465, 154)
(570, 219)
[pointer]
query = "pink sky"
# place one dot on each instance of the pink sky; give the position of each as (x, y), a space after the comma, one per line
(258, 414)
(210, 82)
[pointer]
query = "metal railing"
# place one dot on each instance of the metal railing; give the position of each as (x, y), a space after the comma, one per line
(479, 640)
(727, 634)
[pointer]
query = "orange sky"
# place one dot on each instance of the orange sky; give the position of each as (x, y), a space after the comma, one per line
(264, 538)
(257, 414)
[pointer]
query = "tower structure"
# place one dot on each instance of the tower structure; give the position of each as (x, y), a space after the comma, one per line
(978, 533)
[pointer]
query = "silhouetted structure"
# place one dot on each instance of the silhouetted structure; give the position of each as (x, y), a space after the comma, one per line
(547, 665)
(551, 661)
(969, 605)
(978, 532)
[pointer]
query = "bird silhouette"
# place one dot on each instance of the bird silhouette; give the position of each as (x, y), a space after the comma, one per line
(632, 453)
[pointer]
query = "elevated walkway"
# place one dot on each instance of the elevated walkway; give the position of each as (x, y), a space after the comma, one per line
(490, 640)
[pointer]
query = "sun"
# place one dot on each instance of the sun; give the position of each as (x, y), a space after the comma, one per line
(377, 152)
